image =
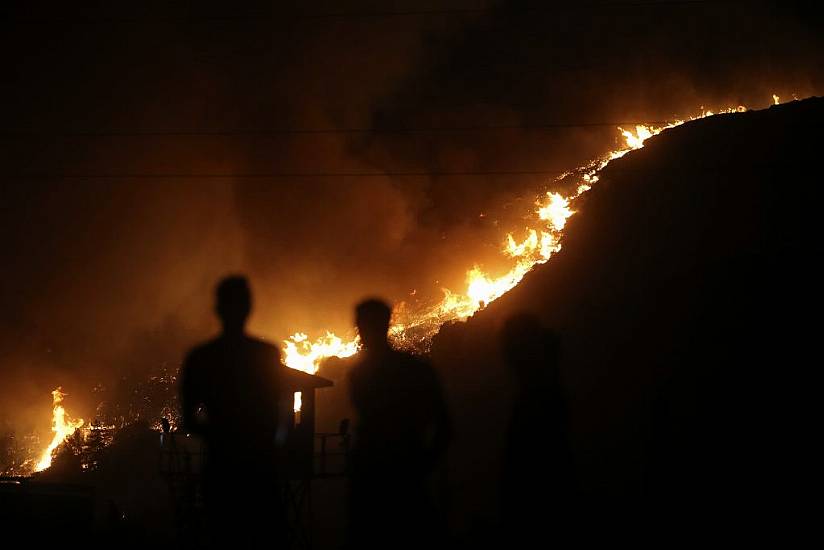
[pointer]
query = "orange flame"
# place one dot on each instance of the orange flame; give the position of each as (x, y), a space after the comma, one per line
(301, 354)
(62, 426)
(636, 140)
(556, 211)
(553, 210)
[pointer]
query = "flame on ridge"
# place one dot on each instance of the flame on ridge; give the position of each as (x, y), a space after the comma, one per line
(301, 354)
(414, 330)
(62, 426)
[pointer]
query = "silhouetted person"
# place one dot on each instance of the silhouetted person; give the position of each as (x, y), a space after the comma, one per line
(402, 431)
(536, 496)
(229, 397)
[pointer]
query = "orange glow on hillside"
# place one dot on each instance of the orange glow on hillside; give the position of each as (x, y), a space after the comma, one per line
(553, 210)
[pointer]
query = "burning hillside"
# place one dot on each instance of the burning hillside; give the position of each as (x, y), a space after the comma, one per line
(681, 297)
(414, 327)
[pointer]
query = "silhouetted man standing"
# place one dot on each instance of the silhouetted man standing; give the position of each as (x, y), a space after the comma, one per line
(402, 431)
(229, 394)
(538, 466)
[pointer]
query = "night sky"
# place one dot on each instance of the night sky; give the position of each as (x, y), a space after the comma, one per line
(328, 149)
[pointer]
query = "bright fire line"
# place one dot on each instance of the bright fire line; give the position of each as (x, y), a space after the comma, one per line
(414, 329)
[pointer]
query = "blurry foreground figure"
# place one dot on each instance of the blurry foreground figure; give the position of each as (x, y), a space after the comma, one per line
(229, 396)
(538, 474)
(402, 432)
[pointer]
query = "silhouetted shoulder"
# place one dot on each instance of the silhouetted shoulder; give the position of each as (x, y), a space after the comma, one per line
(417, 367)
(258, 347)
(413, 361)
(208, 351)
(195, 366)
(202, 351)
(262, 346)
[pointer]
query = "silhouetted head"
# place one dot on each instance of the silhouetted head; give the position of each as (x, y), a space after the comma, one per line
(233, 303)
(530, 349)
(372, 319)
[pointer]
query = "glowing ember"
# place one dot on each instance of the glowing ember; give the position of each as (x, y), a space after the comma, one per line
(414, 329)
(775, 99)
(62, 426)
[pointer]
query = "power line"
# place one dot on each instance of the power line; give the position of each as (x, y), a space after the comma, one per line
(321, 131)
(276, 175)
(581, 6)
(296, 175)
(343, 15)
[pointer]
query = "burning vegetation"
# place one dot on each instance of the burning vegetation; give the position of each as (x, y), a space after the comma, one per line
(63, 427)
(412, 327)
(127, 403)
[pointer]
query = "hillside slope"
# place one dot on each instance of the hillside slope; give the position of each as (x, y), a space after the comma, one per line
(682, 297)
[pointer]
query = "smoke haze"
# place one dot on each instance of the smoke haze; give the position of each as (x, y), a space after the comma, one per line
(177, 126)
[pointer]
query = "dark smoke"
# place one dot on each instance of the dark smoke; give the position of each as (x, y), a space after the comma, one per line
(107, 275)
